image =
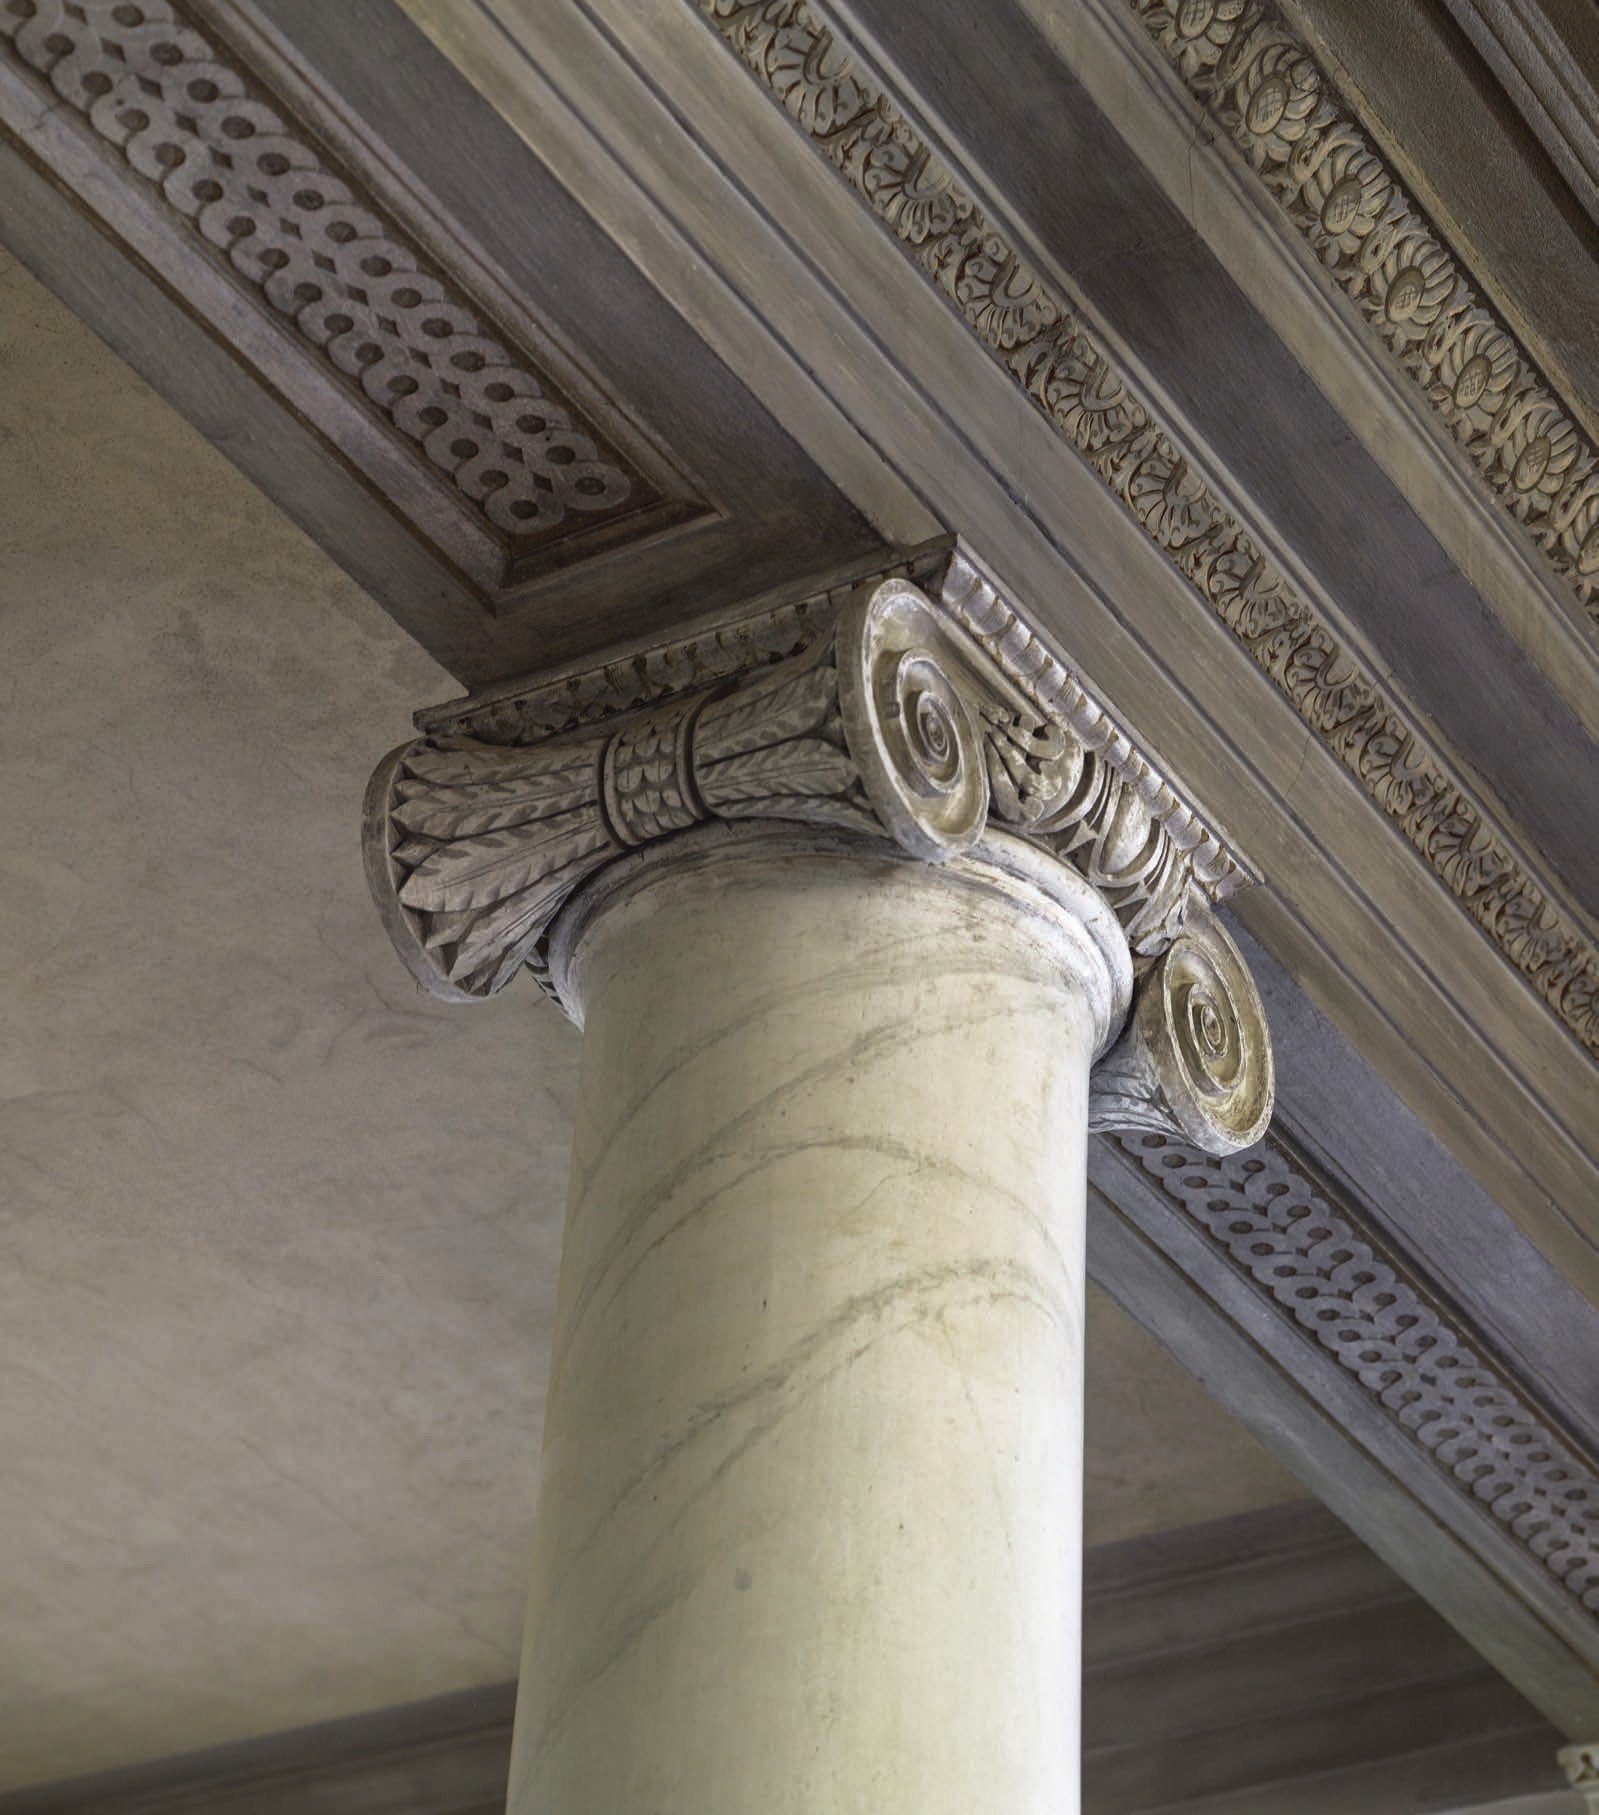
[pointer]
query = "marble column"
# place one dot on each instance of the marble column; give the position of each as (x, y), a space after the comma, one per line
(847, 934)
(808, 1531)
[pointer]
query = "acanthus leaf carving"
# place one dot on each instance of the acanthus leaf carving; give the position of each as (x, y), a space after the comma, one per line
(905, 715)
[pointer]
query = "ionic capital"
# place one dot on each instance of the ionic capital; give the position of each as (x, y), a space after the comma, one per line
(914, 709)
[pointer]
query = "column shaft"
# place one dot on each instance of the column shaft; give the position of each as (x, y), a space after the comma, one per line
(808, 1535)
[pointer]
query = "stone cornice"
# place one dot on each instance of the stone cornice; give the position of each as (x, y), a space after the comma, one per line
(1040, 339)
(922, 720)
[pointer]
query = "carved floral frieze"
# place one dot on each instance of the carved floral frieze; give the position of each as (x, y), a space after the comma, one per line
(1052, 354)
(1261, 85)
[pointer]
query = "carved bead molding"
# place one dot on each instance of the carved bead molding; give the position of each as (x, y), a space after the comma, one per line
(1282, 1227)
(882, 714)
(406, 344)
(1581, 1766)
(1260, 84)
(1042, 341)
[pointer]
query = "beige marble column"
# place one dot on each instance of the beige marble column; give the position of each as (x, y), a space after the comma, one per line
(852, 923)
(808, 1533)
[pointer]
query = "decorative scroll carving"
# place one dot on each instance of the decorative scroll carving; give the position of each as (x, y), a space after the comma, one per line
(1195, 1060)
(405, 340)
(1042, 342)
(893, 720)
(1283, 1231)
(473, 847)
(911, 729)
(1252, 76)
(1025, 778)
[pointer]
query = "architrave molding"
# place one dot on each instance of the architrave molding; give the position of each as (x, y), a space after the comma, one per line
(406, 155)
(1547, 58)
(1315, 1256)
(1041, 340)
(1271, 1286)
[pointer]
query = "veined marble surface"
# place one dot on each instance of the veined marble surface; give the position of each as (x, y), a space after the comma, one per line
(809, 1523)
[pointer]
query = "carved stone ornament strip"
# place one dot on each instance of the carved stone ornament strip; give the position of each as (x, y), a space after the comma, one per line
(1283, 1229)
(1040, 339)
(885, 717)
(1261, 85)
(404, 340)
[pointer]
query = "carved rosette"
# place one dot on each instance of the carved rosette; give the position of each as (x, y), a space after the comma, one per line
(894, 723)
(1195, 1058)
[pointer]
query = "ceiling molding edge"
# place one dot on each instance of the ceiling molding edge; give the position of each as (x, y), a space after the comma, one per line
(1321, 1264)
(1265, 1595)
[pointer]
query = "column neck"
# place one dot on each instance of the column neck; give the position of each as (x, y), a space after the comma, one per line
(1001, 871)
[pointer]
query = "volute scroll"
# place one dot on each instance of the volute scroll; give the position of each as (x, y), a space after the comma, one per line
(899, 716)
(1195, 1059)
